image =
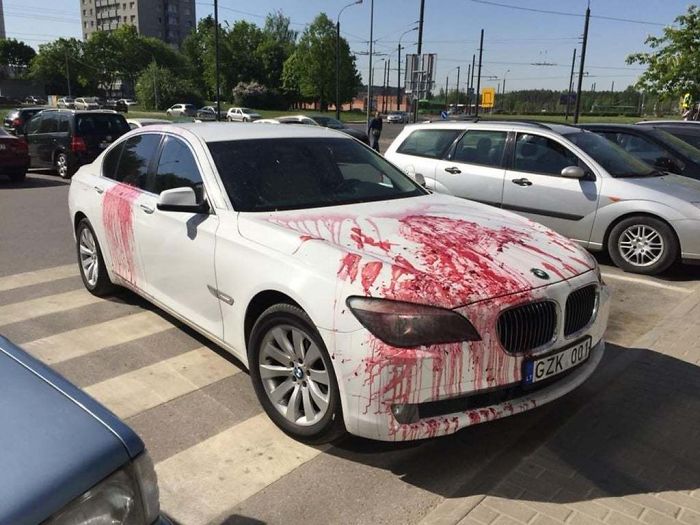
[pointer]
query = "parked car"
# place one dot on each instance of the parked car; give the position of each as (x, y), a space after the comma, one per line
(14, 159)
(325, 122)
(686, 130)
(117, 105)
(141, 122)
(66, 139)
(182, 110)
(571, 180)
(66, 458)
(87, 103)
(35, 101)
(16, 119)
(397, 117)
(128, 101)
(357, 299)
(208, 113)
(66, 103)
(654, 146)
(242, 115)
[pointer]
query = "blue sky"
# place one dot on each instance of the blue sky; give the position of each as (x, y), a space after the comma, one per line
(514, 39)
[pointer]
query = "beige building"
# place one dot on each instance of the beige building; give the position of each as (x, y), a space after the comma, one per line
(169, 20)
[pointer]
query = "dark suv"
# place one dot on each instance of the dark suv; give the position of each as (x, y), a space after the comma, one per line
(66, 139)
(16, 120)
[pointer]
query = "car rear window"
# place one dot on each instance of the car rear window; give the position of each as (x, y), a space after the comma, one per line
(101, 124)
(432, 143)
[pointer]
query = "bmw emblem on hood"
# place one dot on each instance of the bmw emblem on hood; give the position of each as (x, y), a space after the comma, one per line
(539, 273)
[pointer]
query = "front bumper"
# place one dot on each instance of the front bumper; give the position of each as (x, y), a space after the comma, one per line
(375, 380)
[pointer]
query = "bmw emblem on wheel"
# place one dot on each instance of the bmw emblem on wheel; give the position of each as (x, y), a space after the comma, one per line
(540, 273)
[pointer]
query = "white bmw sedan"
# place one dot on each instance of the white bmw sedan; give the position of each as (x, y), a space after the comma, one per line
(358, 300)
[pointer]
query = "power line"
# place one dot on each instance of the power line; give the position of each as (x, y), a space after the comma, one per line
(564, 13)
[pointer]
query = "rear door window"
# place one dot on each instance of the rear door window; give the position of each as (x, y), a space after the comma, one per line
(135, 160)
(64, 123)
(431, 143)
(537, 154)
(111, 162)
(483, 147)
(49, 124)
(101, 124)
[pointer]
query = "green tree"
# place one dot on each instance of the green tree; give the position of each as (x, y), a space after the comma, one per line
(59, 59)
(159, 88)
(311, 68)
(16, 56)
(277, 46)
(673, 65)
(196, 47)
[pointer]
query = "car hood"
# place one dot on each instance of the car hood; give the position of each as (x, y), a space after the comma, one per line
(56, 441)
(683, 188)
(434, 249)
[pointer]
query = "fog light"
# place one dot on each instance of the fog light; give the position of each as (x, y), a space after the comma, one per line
(405, 413)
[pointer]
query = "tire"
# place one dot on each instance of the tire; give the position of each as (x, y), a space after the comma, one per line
(86, 241)
(267, 347)
(18, 176)
(63, 166)
(644, 245)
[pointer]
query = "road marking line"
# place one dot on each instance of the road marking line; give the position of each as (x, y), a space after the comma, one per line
(37, 277)
(137, 391)
(208, 479)
(25, 310)
(646, 282)
(87, 339)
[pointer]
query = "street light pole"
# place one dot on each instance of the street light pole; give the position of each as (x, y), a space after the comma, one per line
(371, 37)
(457, 102)
(478, 78)
(337, 58)
(398, 73)
(581, 66)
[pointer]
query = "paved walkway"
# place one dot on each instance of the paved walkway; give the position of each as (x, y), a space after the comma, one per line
(629, 455)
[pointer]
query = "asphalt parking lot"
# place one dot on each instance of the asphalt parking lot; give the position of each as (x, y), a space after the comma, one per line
(218, 457)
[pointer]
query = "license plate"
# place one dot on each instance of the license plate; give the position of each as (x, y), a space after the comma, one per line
(556, 363)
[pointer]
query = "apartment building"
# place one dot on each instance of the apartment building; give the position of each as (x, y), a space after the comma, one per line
(169, 20)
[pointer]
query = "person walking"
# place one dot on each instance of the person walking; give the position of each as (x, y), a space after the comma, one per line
(375, 131)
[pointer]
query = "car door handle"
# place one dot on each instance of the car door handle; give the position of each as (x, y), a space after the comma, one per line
(146, 208)
(454, 170)
(98, 189)
(522, 182)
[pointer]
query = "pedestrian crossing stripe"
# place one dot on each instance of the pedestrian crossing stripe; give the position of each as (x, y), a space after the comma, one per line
(38, 277)
(25, 310)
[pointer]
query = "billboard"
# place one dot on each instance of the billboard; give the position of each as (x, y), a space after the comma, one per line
(419, 76)
(488, 97)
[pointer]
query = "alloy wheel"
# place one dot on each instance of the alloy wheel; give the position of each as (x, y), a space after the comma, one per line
(89, 261)
(294, 375)
(62, 165)
(641, 245)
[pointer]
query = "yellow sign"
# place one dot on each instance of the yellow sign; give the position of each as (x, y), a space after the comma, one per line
(488, 97)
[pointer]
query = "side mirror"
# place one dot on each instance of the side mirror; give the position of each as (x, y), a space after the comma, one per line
(181, 200)
(573, 172)
(419, 178)
(667, 164)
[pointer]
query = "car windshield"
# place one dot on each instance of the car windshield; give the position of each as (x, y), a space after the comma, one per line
(328, 122)
(299, 173)
(679, 145)
(101, 124)
(615, 160)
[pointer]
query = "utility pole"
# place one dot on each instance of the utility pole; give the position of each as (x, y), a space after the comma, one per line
(613, 86)
(398, 81)
(216, 53)
(581, 65)
(571, 85)
(420, 52)
(155, 82)
(387, 66)
(447, 87)
(337, 58)
(478, 78)
(457, 103)
(471, 85)
(371, 37)
(68, 73)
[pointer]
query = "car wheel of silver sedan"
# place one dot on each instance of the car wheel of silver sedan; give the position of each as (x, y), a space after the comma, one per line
(90, 261)
(643, 245)
(293, 375)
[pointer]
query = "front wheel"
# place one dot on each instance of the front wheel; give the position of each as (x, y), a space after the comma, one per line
(293, 376)
(92, 265)
(643, 245)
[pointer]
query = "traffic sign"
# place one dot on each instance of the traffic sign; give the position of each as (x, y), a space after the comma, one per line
(488, 97)
(443, 115)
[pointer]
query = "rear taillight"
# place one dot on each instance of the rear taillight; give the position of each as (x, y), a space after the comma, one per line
(20, 145)
(77, 145)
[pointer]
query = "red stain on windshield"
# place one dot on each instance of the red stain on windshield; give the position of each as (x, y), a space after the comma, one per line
(117, 218)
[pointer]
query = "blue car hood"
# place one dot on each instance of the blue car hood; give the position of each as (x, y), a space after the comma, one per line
(55, 441)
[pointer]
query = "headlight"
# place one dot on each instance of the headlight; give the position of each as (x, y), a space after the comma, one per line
(127, 497)
(408, 325)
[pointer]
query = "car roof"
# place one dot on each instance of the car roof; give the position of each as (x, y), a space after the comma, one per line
(475, 123)
(83, 111)
(224, 131)
(606, 125)
(668, 122)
